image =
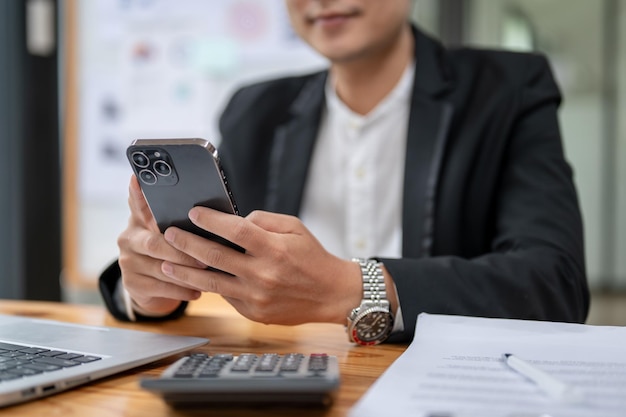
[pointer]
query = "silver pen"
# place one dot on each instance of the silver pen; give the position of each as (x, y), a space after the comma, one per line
(467, 415)
(552, 386)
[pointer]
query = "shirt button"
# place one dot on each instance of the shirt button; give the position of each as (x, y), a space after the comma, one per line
(361, 243)
(360, 173)
(353, 124)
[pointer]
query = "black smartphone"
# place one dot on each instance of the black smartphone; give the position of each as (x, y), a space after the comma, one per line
(178, 174)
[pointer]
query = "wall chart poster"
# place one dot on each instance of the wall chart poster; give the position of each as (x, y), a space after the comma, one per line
(159, 69)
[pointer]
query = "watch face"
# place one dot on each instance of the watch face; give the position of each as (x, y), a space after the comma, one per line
(372, 326)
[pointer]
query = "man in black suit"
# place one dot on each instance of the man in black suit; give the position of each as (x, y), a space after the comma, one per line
(443, 170)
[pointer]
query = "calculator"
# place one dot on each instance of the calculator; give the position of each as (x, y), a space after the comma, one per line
(270, 378)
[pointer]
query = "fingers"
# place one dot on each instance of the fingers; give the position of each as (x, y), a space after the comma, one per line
(138, 241)
(150, 288)
(142, 251)
(216, 255)
(142, 235)
(203, 279)
(140, 265)
(233, 228)
(140, 211)
(275, 222)
(154, 297)
(144, 289)
(250, 233)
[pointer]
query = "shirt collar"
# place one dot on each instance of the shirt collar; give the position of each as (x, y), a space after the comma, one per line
(398, 96)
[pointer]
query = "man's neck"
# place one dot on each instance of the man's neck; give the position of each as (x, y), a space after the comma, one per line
(362, 84)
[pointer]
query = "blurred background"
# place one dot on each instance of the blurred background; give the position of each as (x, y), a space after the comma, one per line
(79, 79)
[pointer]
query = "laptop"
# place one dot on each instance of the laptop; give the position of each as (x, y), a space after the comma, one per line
(40, 357)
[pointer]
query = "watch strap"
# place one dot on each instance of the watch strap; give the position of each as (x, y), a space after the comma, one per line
(374, 289)
(374, 298)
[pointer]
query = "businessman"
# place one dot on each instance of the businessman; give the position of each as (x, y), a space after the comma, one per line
(406, 178)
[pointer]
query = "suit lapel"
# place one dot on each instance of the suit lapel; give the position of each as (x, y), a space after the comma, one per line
(292, 148)
(428, 130)
(429, 123)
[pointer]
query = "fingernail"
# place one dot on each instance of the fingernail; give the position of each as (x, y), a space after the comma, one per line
(167, 269)
(169, 235)
(193, 214)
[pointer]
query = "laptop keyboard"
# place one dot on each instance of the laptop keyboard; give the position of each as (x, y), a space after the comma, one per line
(18, 361)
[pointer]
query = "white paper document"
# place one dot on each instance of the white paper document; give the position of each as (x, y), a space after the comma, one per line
(454, 368)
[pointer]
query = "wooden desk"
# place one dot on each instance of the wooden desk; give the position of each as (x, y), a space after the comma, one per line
(120, 395)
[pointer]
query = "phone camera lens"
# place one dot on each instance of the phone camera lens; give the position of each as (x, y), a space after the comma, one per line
(147, 177)
(140, 159)
(162, 168)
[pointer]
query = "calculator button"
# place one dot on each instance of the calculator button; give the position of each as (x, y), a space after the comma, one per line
(267, 363)
(291, 362)
(318, 362)
(244, 363)
(224, 356)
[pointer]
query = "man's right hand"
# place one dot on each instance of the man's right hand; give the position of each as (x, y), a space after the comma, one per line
(142, 251)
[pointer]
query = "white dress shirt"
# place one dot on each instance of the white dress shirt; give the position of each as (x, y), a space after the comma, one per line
(353, 195)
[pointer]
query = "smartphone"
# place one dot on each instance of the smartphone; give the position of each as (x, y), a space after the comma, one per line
(178, 174)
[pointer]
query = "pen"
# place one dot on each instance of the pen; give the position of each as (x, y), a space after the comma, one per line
(553, 387)
(467, 415)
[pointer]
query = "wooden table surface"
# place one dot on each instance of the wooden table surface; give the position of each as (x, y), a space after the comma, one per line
(213, 318)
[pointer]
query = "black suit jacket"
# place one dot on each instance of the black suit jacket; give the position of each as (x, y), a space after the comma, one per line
(491, 223)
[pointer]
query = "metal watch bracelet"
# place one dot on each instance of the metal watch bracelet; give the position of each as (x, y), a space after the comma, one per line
(371, 322)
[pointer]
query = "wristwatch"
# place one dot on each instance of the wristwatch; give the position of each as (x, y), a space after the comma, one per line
(371, 322)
